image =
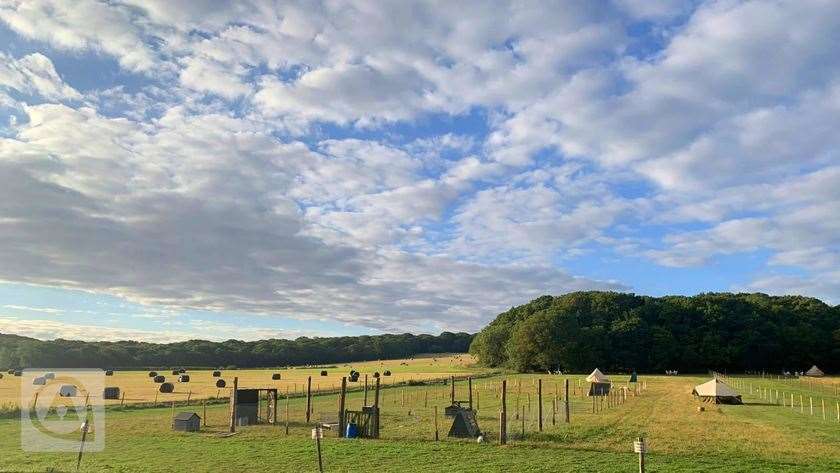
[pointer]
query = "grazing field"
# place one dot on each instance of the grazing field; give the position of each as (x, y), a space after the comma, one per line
(138, 387)
(759, 436)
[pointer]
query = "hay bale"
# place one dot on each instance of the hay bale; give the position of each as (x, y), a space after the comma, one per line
(159, 379)
(701, 409)
(184, 378)
(176, 372)
(1, 375)
(109, 373)
(68, 390)
(111, 392)
(18, 373)
(182, 371)
(387, 373)
(376, 374)
(39, 381)
(217, 374)
(152, 374)
(167, 388)
(10, 371)
(275, 376)
(49, 376)
(323, 372)
(220, 383)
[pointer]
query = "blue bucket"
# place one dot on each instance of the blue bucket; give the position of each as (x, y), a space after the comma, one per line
(352, 431)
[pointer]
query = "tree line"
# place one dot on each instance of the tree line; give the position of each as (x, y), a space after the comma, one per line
(23, 352)
(623, 332)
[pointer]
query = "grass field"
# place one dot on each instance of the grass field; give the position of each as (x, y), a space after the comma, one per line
(760, 436)
(139, 388)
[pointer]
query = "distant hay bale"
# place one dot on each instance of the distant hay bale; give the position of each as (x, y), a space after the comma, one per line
(112, 392)
(275, 376)
(376, 374)
(49, 376)
(217, 374)
(18, 373)
(68, 390)
(10, 371)
(159, 379)
(176, 372)
(152, 374)
(220, 383)
(109, 373)
(167, 388)
(184, 378)
(39, 381)
(701, 409)
(182, 371)
(387, 373)
(1, 375)
(323, 372)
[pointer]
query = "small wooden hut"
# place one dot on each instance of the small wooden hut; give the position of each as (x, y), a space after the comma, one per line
(186, 422)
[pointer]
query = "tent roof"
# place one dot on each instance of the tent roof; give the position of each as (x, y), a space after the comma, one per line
(597, 377)
(814, 371)
(715, 388)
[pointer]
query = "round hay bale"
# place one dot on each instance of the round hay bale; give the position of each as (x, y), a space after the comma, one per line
(68, 390)
(152, 374)
(182, 371)
(376, 374)
(18, 373)
(1, 375)
(323, 372)
(39, 381)
(109, 373)
(220, 383)
(184, 378)
(49, 376)
(387, 373)
(11, 371)
(159, 379)
(217, 374)
(701, 409)
(176, 372)
(275, 376)
(111, 393)
(167, 388)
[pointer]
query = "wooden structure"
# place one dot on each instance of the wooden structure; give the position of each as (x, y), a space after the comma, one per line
(186, 422)
(245, 406)
(365, 421)
(464, 422)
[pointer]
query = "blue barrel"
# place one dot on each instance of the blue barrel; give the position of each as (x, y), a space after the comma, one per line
(352, 431)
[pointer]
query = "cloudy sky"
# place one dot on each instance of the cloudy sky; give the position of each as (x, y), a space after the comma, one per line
(253, 169)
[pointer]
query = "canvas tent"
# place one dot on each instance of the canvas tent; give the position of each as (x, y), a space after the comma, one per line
(716, 391)
(815, 372)
(599, 383)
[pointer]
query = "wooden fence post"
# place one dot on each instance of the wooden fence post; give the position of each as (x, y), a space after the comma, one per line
(437, 435)
(503, 415)
(308, 398)
(341, 400)
(566, 394)
(232, 426)
(539, 404)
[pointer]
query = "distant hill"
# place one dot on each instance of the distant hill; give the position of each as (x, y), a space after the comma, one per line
(22, 352)
(621, 332)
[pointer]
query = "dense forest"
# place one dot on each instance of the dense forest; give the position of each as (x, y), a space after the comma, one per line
(621, 332)
(22, 352)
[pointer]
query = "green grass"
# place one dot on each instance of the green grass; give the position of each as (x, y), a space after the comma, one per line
(753, 437)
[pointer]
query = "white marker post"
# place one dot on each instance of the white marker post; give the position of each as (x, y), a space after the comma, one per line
(640, 447)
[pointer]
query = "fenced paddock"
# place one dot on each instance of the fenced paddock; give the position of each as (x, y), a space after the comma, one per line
(757, 436)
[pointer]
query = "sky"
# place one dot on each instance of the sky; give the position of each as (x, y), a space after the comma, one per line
(187, 169)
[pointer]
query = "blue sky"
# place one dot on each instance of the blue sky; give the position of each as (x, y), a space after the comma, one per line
(256, 169)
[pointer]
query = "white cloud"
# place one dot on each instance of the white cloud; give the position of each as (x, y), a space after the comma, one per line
(34, 74)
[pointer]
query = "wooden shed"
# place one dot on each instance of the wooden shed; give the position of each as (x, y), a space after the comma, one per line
(186, 422)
